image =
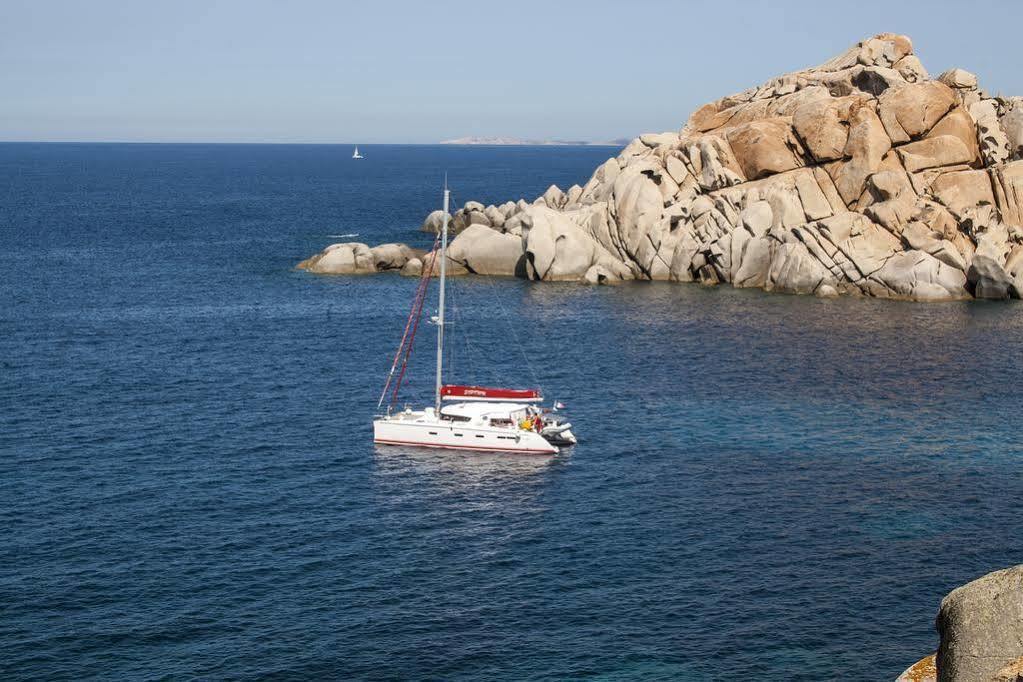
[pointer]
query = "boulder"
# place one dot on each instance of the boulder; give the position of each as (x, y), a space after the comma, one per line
(959, 124)
(823, 125)
(911, 69)
(913, 109)
(988, 279)
(1012, 126)
(434, 222)
(654, 140)
(918, 236)
(963, 189)
(495, 217)
(452, 268)
(931, 152)
(981, 627)
(484, 251)
(714, 165)
(391, 256)
(866, 147)
(959, 78)
(918, 276)
(412, 268)
(994, 143)
(638, 207)
(554, 197)
(794, 270)
(347, 258)
(765, 147)
(1007, 183)
(475, 218)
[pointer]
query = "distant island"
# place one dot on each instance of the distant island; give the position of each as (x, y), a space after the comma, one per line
(510, 141)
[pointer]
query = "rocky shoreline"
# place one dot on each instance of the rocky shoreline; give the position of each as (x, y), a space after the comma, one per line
(861, 176)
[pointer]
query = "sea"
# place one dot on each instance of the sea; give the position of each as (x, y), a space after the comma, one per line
(765, 486)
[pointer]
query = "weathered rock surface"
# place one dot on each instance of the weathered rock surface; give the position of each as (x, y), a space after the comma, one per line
(923, 670)
(981, 629)
(861, 176)
(341, 259)
(484, 251)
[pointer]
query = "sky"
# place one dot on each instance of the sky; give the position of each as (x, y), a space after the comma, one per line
(380, 71)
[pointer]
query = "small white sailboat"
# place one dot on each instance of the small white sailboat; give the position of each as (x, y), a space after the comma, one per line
(473, 418)
(356, 154)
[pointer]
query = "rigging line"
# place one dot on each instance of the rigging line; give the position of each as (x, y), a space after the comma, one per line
(466, 350)
(417, 304)
(469, 360)
(415, 328)
(518, 341)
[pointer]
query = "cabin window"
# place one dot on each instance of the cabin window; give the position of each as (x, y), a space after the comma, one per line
(479, 436)
(433, 433)
(459, 435)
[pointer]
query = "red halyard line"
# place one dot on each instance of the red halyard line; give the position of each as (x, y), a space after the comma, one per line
(463, 447)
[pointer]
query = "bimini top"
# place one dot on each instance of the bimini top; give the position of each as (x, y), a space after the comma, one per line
(503, 395)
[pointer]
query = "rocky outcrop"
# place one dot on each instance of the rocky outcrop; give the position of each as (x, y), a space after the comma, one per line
(860, 176)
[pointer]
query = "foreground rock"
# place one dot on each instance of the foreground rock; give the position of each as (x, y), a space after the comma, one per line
(980, 626)
(860, 176)
(981, 629)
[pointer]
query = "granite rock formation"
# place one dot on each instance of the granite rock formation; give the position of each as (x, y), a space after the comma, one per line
(863, 175)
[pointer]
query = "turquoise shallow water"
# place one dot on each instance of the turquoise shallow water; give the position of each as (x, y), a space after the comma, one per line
(766, 485)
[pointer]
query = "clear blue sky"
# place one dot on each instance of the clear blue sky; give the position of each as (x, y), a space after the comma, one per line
(380, 71)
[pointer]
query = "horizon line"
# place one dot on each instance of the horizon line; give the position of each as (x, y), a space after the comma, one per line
(321, 144)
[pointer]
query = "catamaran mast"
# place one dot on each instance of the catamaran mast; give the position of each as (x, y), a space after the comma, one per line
(440, 314)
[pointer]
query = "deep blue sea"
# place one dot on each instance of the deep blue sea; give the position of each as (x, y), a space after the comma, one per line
(766, 487)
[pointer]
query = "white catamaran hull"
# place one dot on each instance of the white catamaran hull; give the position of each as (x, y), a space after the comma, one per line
(422, 431)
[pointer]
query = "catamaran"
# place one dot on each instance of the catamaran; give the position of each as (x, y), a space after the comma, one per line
(356, 154)
(472, 418)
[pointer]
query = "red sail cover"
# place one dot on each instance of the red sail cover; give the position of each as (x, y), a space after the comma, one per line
(492, 394)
